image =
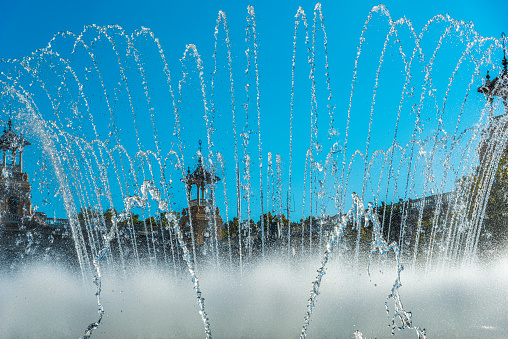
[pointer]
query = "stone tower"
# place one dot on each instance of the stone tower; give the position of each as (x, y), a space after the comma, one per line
(200, 219)
(498, 87)
(15, 190)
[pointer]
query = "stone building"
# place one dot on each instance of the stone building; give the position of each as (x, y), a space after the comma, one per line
(497, 127)
(201, 218)
(25, 235)
(15, 190)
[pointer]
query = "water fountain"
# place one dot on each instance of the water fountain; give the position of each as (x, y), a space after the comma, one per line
(118, 131)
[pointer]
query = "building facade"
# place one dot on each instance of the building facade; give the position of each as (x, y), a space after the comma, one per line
(15, 190)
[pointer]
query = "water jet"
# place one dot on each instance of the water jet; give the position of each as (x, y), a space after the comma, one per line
(269, 237)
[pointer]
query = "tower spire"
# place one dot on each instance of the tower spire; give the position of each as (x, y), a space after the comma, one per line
(505, 62)
(10, 119)
(200, 152)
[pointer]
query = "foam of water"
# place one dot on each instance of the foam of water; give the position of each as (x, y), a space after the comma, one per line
(47, 301)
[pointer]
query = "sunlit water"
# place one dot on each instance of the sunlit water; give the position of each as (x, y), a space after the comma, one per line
(84, 136)
(47, 301)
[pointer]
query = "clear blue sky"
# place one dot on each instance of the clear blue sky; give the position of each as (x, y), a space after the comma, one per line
(29, 25)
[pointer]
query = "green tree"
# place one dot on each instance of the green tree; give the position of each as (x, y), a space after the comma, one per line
(108, 214)
(390, 217)
(232, 227)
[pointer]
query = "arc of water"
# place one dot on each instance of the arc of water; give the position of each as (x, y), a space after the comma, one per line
(79, 41)
(104, 31)
(222, 164)
(85, 149)
(144, 159)
(304, 196)
(278, 168)
(191, 51)
(392, 31)
(148, 32)
(429, 162)
(299, 16)
(381, 246)
(34, 73)
(315, 144)
(140, 201)
(460, 222)
(453, 24)
(453, 238)
(384, 11)
(251, 19)
(177, 165)
(356, 214)
(333, 238)
(484, 186)
(25, 98)
(251, 38)
(164, 184)
(353, 83)
(329, 160)
(447, 161)
(269, 193)
(222, 18)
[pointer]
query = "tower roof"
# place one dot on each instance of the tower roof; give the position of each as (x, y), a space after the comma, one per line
(200, 176)
(499, 85)
(11, 141)
(496, 87)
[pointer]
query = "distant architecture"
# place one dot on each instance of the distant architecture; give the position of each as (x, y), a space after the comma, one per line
(490, 175)
(200, 219)
(15, 190)
(24, 234)
(498, 87)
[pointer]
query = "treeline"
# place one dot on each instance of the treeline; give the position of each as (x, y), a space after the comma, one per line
(272, 225)
(94, 216)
